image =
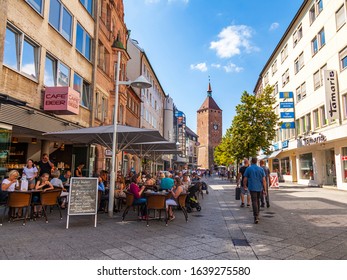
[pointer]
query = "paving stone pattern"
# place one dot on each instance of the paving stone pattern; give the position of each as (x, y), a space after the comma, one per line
(303, 223)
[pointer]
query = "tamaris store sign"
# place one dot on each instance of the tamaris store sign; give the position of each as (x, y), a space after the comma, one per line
(62, 100)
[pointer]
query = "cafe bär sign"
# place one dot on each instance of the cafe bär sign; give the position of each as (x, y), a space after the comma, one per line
(61, 100)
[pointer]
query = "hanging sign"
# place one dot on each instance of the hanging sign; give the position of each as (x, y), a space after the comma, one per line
(331, 95)
(287, 94)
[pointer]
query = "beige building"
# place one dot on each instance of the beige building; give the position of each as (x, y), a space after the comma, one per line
(209, 130)
(308, 69)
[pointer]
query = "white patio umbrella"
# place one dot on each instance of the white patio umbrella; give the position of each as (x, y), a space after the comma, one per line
(103, 135)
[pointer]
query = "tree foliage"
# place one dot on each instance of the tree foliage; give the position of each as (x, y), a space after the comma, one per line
(252, 129)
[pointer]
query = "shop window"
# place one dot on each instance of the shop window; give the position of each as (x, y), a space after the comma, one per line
(306, 166)
(275, 165)
(37, 5)
(344, 164)
(285, 166)
(20, 52)
(61, 19)
(83, 41)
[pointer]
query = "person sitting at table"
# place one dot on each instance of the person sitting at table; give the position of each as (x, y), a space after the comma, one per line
(30, 171)
(9, 185)
(150, 182)
(167, 183)
(56, 182)
(42, 184)
(175, 192)
(120, 187)
(65, 178)
(102, 196)
(137, 192)
(185, 181)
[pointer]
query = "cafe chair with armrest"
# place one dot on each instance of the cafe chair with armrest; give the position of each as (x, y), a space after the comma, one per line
(18, 200)
(156, 202)
(129, 201)
(50, 198)
(181, 203)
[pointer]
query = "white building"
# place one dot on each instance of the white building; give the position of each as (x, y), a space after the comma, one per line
(311, 61)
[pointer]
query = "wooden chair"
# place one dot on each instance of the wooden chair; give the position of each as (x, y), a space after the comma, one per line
(50, 198)
(18, 200)
(129, 201)
(156, 202)
(181, 202)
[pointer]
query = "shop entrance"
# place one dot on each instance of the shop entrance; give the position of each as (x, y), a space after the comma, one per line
(330, 168)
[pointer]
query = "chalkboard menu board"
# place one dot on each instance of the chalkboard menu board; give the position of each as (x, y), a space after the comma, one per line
(83, 196)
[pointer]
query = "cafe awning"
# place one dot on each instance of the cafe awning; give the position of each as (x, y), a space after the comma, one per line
(275, 154)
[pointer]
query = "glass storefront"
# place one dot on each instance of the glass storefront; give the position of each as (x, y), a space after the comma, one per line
(344, 164)
(285, 166)
(275, 165)
(5, 141)
(306, 166)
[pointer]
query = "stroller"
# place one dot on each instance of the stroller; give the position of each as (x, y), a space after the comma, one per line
(192, 198)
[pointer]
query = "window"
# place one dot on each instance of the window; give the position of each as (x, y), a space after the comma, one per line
(344, 164)
(284, 53)
(299, 63)
(306, 166)
(266, 78)
(56, 73)
(321, 36)
(60, 19)
(301, 92)
(322, 69)
(285, 166)
(340, 17)
(344, 105)
(84, 89)
(88, 4)
(297, 35)
(285, 78)
(323, 119)
(316, 123)
(316, 80)
(83, 41)
(315, 10)
(20, 52)
(318, 42)
(276, 89)
(314, 44)
(37, 5)
(308, 122)
(103, 108)
(343, 59)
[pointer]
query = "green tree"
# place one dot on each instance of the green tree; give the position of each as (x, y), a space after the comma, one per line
(252, 129)
(222, 153)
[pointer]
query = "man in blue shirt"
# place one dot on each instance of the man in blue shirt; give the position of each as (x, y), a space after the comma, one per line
(254, 180)
(167, 183)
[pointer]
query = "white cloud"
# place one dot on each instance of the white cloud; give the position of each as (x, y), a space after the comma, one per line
(274, 26)
(215, 65)
(232, 40)
(199, 66)
(151, 1)
(232, 68)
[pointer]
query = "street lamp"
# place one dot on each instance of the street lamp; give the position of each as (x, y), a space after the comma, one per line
(140, 82)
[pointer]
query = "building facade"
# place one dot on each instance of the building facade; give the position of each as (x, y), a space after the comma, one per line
(308, 69)
(46, 77)
(209, 130)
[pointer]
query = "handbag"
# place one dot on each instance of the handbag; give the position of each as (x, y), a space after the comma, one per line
(237, 193)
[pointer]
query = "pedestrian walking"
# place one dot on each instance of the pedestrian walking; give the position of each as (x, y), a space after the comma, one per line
(265, 197)
(254, 181)
(239, 183)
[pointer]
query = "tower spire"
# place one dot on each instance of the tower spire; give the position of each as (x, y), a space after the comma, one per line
(209, 90)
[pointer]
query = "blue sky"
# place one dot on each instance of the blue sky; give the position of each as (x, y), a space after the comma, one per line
(189, 40)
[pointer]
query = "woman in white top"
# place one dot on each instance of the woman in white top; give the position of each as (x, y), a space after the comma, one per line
(9, 184)
(30, 172)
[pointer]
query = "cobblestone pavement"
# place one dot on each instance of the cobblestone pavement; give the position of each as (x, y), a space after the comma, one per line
(302, 223)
